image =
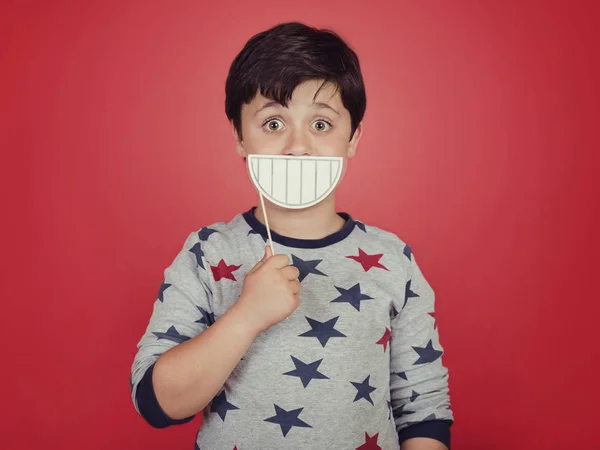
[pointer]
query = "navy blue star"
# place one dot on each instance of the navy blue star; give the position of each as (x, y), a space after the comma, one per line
(394, 312)
(426, 354)
(323, 331)
(208, 318)
(352, 296)
(306, 267)
(414, 396)
(306, 372)
(363, 390)
(204, 233)
(402, 375)
(287, 419)
(399, 411)
(409, 293)
(197, 250)
(360, 225)
(171, 335)
(162, 289)
(220, 405)
(253, 231)
(407, 252)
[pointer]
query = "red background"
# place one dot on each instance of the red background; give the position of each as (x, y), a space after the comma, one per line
(480, 126)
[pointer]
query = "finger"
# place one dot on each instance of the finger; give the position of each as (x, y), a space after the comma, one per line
(260, 262)
(268, 252)
(278, 261)
(290, 272)
(257, 266)
(296, 286)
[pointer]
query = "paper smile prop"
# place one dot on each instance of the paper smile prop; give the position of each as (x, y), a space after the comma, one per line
(294, 182)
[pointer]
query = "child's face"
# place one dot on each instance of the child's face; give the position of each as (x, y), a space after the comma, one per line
(321, 128)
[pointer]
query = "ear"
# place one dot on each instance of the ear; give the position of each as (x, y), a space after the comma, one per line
(239, 145)
(354, 141)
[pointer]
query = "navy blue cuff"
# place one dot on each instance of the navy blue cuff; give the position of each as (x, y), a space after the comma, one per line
(149, 406)
(433, 429)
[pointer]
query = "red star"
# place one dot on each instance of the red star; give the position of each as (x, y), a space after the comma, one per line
(368, 261)
(235, 448)
(222, 270)
(385, 339)
(432, 314)
(370, 443)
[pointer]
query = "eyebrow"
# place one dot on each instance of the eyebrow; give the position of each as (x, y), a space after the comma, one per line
(272, 104)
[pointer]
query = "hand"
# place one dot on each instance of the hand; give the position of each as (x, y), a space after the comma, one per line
(270, 291)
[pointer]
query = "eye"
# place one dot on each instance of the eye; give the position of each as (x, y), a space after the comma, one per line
(273, 125)
(322, 125)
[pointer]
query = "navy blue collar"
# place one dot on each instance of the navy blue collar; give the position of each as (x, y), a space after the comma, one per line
(338, 236)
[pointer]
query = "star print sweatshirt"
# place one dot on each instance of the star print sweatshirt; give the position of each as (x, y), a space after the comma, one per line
(358, 365)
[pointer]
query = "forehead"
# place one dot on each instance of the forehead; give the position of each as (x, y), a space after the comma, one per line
(305, 94)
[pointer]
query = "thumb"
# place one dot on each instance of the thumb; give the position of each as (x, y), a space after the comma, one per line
(261, 261)
(268, 252)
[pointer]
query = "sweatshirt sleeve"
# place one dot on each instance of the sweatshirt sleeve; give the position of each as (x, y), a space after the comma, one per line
(181, 311)
(419, 380)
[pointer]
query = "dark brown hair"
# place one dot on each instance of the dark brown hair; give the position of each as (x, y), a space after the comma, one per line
(274, 62)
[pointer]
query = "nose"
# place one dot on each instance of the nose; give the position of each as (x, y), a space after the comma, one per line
(298, 144)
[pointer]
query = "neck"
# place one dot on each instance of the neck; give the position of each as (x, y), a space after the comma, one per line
(315, 222)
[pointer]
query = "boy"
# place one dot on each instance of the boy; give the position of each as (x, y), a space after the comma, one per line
(356, 364)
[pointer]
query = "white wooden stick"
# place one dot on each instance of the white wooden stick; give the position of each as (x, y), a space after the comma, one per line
(262, 203)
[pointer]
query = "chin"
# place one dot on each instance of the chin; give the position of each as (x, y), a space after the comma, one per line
(329, 200)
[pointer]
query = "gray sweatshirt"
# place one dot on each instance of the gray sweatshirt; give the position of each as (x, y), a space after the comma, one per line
(358, 365)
